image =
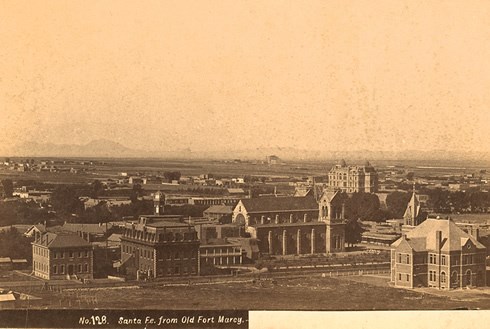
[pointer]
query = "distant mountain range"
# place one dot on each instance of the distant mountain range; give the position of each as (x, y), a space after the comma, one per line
(97, 148)
(106, 148)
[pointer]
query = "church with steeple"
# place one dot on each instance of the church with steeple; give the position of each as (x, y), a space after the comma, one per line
(414, 213)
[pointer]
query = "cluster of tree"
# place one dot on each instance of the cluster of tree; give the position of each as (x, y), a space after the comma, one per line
(443, 201)
(20, 212)
(172, 175)
(8, 187)
(15, 245)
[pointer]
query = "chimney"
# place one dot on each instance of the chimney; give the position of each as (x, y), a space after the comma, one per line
(475, 232)
(438, 239)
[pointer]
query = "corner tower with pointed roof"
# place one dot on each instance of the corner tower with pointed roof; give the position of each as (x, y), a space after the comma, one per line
(331, 211)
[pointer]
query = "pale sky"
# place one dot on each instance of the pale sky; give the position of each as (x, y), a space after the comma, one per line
(323, 75)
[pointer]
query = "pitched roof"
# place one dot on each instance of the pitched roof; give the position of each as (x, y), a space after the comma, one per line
(221, 209)
(62, 240)
(423, 236)
(279, 204)
(329, 195)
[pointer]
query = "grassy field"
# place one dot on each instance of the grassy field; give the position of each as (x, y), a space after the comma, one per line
(306, 293)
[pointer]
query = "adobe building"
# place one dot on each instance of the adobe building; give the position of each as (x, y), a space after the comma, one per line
(64, 255)
(294, 225)
(351, 179)
(437, 253)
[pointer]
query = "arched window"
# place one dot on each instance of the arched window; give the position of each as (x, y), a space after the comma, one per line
(443, 277)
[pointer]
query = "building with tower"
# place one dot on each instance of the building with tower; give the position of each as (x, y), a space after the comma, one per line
(159, 245)
(332, 213)
(352, 179)
(294, 225)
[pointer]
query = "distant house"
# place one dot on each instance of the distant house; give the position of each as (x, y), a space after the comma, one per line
(219, 213)
(437, 253)
(38, 228)
(58, 256)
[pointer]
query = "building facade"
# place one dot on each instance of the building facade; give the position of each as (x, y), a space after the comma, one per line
(353, 178)
(294, 225)
(159, 246)
(437, 253)
(58, 256)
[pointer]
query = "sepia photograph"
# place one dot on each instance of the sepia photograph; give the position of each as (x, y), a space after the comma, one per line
(244, 164)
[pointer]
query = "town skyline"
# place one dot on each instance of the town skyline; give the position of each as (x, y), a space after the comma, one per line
(316, 76)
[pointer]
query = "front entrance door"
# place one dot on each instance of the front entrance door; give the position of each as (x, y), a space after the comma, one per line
(70, 269)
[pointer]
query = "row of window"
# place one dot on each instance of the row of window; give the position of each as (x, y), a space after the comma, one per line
(467, 259)
(61, 268)
(71, 254)
(41, 251)
(39, 266)
(214, 251)
(150, 254)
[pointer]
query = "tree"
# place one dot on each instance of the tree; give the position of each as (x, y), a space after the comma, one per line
(396, 203)
(172, 175)
(135, 193)
(362, 205)
(97, 189)
(8, 187)
(353, 232)
(410, 175)
(66, 199)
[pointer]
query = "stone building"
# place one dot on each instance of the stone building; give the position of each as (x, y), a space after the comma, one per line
(159, 246)
(62, 256)
(294, 225)
(353, 178)
(437, 253)
(275, 210)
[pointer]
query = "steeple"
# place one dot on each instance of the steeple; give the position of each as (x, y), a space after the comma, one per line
(413, 210)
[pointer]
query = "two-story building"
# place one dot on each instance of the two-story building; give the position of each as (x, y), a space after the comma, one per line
(62, 255)
(437, 253)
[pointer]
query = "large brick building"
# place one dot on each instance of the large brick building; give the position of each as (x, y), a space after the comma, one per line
(62, 255)
(159, 246)
(353, 178)
(437, 253)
